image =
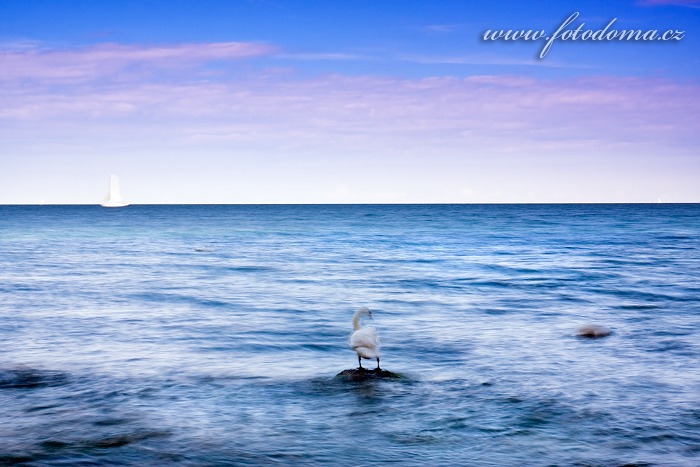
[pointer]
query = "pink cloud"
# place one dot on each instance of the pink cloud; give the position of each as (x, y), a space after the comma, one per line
(497, 114)
(362, 112)
(98, 61)
(482, 133)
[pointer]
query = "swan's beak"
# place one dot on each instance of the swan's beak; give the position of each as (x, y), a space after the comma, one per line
(369, 313)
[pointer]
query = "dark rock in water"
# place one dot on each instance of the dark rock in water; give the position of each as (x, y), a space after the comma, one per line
(593, 331)
(363, 374)
(28, 378)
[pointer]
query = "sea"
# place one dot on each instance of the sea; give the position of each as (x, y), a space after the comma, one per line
(213, 335)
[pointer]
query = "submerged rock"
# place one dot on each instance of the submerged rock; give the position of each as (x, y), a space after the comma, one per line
(593, 331)
(29, 378)
(362, 374)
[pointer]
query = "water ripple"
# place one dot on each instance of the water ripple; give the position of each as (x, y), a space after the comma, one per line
(211, 335)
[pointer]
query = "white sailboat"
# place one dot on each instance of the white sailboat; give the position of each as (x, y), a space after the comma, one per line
(114, 199)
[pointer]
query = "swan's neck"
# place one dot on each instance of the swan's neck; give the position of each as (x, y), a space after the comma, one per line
(356, 322)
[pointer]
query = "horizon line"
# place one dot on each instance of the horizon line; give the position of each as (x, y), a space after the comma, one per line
(368, 203)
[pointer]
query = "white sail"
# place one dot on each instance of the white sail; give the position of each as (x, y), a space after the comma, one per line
(114, 199)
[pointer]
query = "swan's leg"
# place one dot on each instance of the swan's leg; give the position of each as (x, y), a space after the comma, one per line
(359, 360)
(378, 369)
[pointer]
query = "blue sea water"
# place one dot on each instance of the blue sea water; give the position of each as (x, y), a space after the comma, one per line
(212, 335)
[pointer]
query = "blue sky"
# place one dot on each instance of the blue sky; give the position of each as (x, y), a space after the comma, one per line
(356, 101)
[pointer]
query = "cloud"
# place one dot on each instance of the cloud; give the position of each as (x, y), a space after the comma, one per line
(30, 62)
(322, 56)
(288, 136)
(488, 111)
(481, 59)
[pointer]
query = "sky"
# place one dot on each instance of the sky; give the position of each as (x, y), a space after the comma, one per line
(372, 101)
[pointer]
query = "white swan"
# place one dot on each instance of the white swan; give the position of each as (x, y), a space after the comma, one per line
(364, 340)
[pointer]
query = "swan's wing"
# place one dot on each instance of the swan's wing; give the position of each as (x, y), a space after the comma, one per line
(367, 338)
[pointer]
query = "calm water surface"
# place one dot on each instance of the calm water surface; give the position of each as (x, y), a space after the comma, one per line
(211, 335)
